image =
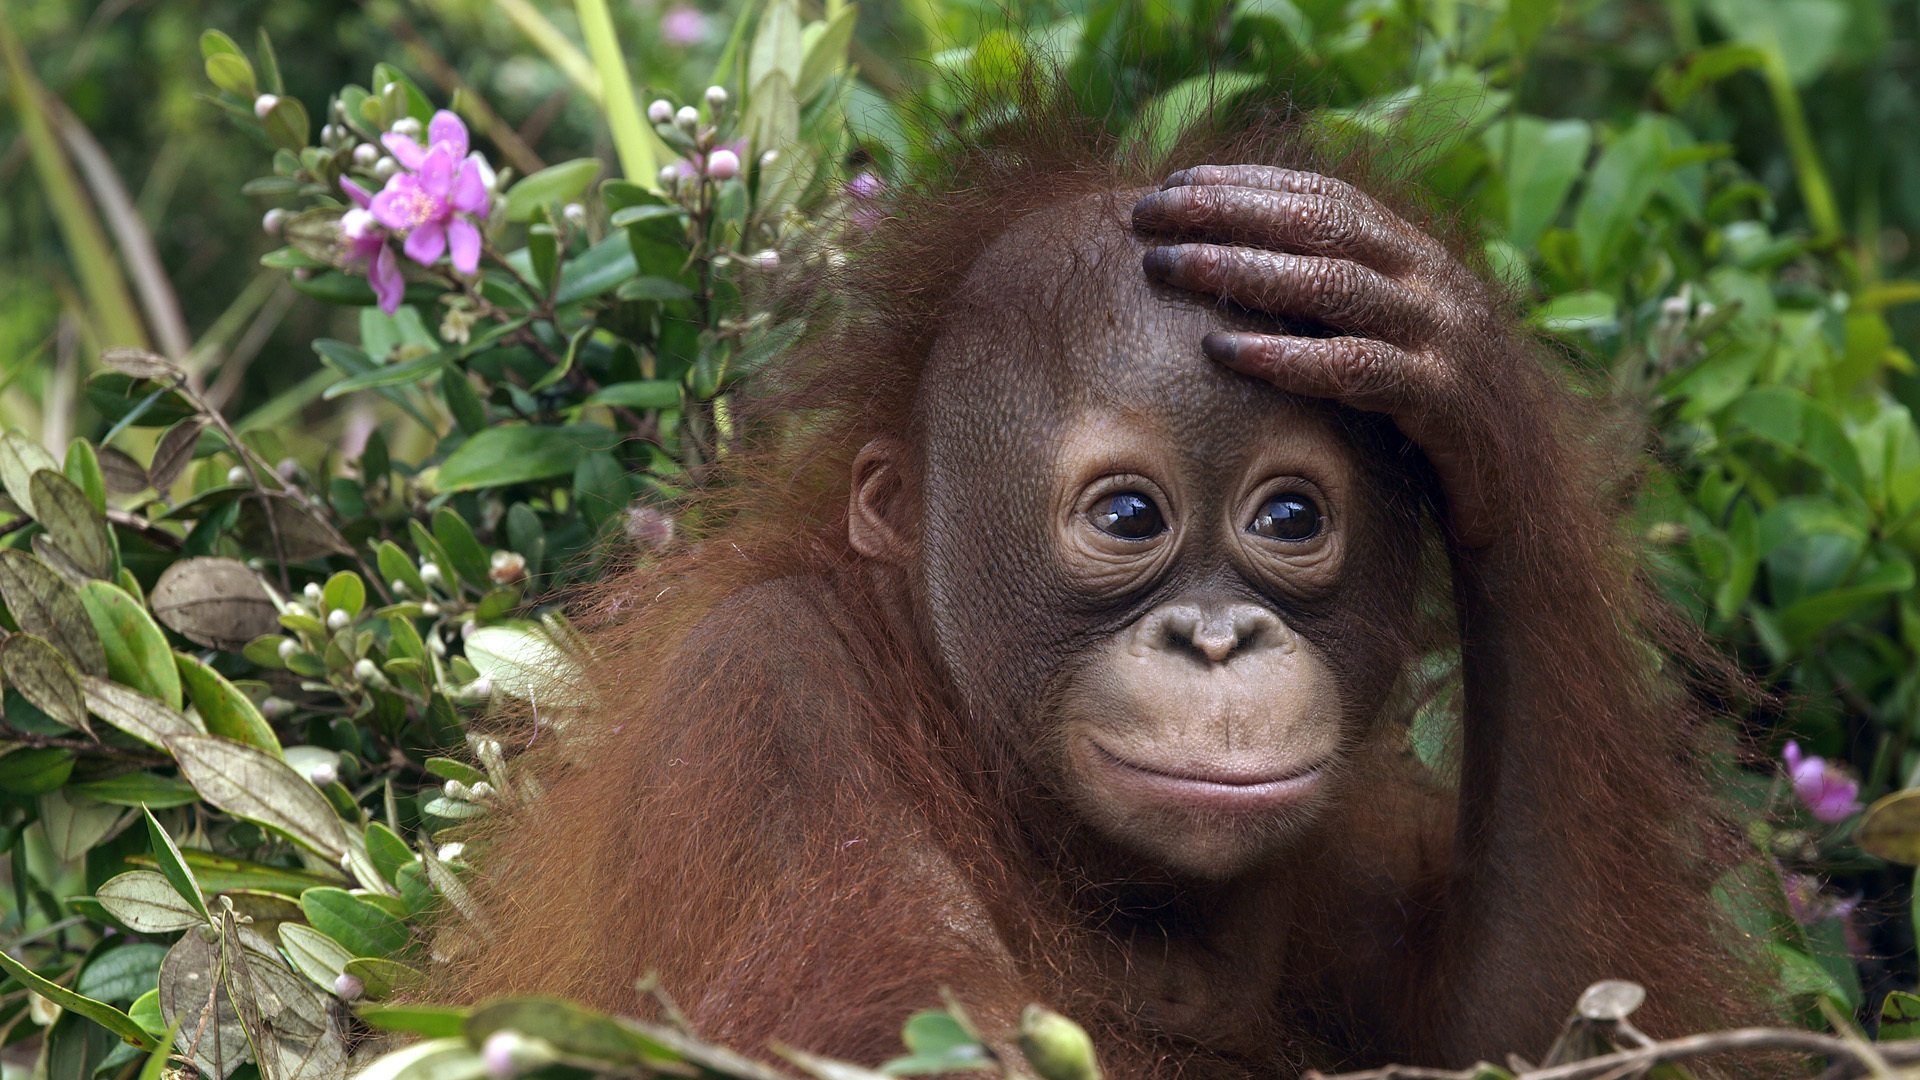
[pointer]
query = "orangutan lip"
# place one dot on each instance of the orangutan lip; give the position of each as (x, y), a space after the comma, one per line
(1213, 789)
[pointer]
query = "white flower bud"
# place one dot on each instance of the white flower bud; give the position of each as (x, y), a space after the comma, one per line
(660, 111)
(357, 223)
(723, 164)
(456, 789)
(668, 176)
(506, 567)
(288, 647)
(328, 133)
(385, 168)
(337, 619)
(450, 851)
(436, 646)
(273, 221)
(407, 126)
(311, 592)
(716, 98)
(273, 708)
(348, 987)
(237, 474)
(763, 260)
(687, 118)
(366, 670)
(430, 571)
(769, 158)
(365, 154)
(264, 104)
(480, 792)
(430, 609)
(323, 774)
(467, 628)
(575, 214)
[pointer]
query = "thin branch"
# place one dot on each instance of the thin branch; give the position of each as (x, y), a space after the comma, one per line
(1855, 1059)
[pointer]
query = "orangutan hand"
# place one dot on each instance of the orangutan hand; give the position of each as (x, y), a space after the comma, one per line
(1415, 334)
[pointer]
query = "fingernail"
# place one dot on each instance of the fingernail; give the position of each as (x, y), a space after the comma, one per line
(1220, 348)
(1158, 261)
(1178, 179)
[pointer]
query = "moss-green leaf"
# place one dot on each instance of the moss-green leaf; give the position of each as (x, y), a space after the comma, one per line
(173, 866)
(256, 785)
(97, 1011)
(77, 528)
(137, 650)
(43, 676)
(43, 603)
(362, 928)
(223, 708)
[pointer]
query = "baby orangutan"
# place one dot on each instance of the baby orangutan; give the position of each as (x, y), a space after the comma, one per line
(1058, 632)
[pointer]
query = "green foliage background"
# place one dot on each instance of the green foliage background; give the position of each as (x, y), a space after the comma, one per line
(256, 579)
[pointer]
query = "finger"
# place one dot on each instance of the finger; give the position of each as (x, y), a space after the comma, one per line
(1363, 373)
(1294, 181)
(1337, 293)
(1275, 220)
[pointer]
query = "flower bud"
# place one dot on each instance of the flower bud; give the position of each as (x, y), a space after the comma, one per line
(507, 1054)
(366, 154)
(337, 619)
(323, 774)
(328, 133)
(507, 567)
(264, 104)
(237, 474)
(366, 670)
(273, 221)
(1056, 1047)
(687, 118)
(480, 792)
(407, 126)
(273, 708)
(481, 687)
(385, 168)
(357, 224)
(575, 214)
(450, 851)
(723, 164)
(348, 987)
(288, 647)
(467, 628)
(430, 609)
(768, 259)
(430, 572)
(311, 592)
(668, 176)
(660, 111)
(716, 98)
(767, 159)
(457, 789)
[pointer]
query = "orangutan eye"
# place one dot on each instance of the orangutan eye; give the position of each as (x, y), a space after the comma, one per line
(1290, 517)
(1127, 515)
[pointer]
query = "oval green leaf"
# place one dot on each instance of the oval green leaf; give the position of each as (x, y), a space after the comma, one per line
(137, 650)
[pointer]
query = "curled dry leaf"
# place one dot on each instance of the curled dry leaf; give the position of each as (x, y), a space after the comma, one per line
(271, 522)
(141, 364)
(174, 451)
(123, 475)
(148, 719)
(214, 602)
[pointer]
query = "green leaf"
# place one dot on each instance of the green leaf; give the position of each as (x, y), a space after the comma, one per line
(43, 603)
(137, 650)
(1899, 1016)
(398, 569)
(34, 770)
(596, 270)
(73, 823)
(426, 1021)
(148, 903)
(121, 973)
(562, 183)
(659, 289)
(174, 867)
(255, 785)
(435, 1059)
(520, 659)
(463, 550)
(381, 979)
(643, 394)
(97, 1011)
(826, 52)
(223, 708)
(938, 1043)
(1622, 181)
(83, 468)
(519, 454)
(316, 955)
(1542, 159)
(363, 929)
(1890, 828)
(449, 769)
(573, 1030)
(138, 789)
(344, 591)
(465, 405)
(385, 848)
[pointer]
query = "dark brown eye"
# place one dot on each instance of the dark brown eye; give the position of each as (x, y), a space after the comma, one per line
(1289, 517)
(1127, 515)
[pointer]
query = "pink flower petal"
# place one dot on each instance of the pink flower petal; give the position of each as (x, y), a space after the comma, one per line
(404, 150)
(355, 192)
(427, 243)
(1792, 755)
(384, 275)
(397, 205)
(469, 191)
(436, 173)
(464, 239)
(447, 130)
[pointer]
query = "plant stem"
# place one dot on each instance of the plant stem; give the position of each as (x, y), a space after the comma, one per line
(616, 91)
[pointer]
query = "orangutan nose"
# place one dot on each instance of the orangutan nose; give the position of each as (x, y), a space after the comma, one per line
(1212, 633)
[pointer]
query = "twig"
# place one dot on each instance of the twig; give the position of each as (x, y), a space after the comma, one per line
(1625, 1062)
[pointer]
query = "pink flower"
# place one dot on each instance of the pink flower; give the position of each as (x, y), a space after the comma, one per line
(865, 186)
(434, 203)
(1827, 791)
(683, 25)
(698, 164)
(367, 246)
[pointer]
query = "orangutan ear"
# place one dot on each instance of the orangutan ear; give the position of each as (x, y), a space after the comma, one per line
(881, 504)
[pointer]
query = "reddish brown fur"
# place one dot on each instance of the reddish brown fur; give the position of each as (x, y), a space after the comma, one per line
(668, 839)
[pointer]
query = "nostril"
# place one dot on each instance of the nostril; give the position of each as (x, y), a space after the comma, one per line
(1214, 635)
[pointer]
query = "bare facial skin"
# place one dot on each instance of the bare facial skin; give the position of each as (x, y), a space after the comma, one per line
(1174, 545)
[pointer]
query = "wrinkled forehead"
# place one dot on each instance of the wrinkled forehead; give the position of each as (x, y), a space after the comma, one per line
(1057, 321)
